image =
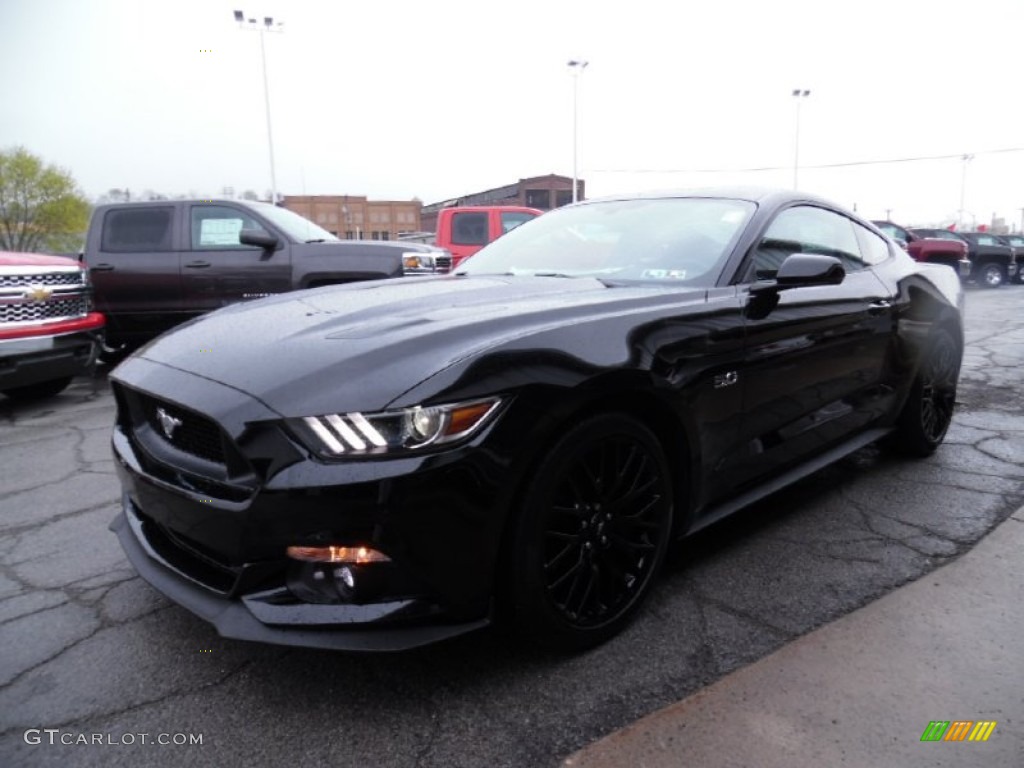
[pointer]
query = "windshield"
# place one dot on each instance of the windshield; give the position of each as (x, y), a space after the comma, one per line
(295, 226)
(684, 239)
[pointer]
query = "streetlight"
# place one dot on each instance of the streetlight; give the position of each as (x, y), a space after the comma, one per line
(577, 66)
(799, 94)
(268, 26)
(963, 187)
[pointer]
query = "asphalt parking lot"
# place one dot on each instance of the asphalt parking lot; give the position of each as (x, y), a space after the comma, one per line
(89, 649)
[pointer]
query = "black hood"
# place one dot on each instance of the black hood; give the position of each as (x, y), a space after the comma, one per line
(360, 346)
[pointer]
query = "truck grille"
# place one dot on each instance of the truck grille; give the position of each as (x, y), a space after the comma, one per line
(52, 309)
(43, 278)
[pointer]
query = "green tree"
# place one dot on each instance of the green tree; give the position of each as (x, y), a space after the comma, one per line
(41, 207)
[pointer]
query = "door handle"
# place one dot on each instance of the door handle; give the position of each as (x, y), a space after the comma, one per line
(878, 307)
(104, 267)
(198, 264)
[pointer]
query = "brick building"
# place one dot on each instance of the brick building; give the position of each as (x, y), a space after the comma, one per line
(543, 192)
(353, 217)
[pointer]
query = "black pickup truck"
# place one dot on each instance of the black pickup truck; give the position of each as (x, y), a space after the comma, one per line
(155, 265)
(993, 263)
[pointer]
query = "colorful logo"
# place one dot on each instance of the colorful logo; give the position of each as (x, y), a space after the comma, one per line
(958, 730)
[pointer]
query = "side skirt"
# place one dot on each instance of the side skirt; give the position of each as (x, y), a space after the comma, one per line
(820, 461)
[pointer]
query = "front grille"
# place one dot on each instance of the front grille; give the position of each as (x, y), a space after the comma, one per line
(196, 435)
(52, 309)
(444, 263)
(43, 278)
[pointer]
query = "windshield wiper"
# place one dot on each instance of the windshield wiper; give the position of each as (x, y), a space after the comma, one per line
(317, 240)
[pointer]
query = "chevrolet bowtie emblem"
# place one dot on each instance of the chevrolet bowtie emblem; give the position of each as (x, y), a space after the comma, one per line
(38, 293)
(168, 423)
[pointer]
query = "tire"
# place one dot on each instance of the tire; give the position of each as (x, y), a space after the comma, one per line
(594, 524)
(38, 391)
(926, 416)
(991, 275)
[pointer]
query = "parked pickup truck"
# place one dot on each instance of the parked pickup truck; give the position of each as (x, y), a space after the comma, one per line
(992, 262)
(48, 329)
(465, 230)
(931, 249)
(157, 264)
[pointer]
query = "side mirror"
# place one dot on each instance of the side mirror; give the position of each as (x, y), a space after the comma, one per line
(258, 238)
(801, 270)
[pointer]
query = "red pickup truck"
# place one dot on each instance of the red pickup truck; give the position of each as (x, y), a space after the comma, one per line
(48, 330)
(930, 249)
(465, 230)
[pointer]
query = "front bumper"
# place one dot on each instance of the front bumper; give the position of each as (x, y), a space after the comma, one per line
(50, 352)
(965, 267)
(216, 545)
(304, 625)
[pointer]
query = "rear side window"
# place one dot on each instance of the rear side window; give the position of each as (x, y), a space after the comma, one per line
(137, 230)
(469, 228)
(873, 249)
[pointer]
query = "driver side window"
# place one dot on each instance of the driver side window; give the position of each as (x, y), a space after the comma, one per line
(805, 229)
(216, 227)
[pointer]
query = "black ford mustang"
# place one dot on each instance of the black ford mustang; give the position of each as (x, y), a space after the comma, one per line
(381, 465)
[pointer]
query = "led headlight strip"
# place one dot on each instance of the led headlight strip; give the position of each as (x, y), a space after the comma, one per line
(356, 433)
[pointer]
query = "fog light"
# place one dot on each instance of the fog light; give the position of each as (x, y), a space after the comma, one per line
(333, 554)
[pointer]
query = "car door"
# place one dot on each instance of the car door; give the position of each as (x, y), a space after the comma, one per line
(135, 271)
(814, 355)
(218, 270)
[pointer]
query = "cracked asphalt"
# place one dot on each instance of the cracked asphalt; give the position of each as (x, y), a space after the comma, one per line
(88, 648)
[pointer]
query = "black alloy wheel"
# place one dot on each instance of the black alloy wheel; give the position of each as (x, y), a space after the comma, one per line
(593, 530)
(929, 409)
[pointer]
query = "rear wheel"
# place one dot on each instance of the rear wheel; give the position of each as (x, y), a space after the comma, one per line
(991, 275)
(39, 391)
(929, 409)
(593, 529)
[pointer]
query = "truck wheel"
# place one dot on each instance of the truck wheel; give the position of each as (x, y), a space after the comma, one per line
(38, 391)
(991, 275)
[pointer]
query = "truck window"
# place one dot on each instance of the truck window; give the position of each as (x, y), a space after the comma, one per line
(512, 219)
(469, 228)
(217, 226)
(137, 230)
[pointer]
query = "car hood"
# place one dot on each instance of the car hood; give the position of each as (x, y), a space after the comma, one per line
(361, 346)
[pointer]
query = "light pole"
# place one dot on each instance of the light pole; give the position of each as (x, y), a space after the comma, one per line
(799, 94)
(576, 66)
(268, 26)
(965, 159)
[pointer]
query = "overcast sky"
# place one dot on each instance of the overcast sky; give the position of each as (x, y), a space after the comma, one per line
(397, 100)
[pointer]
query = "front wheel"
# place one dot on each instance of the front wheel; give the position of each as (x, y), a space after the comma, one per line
(991, 275)
(928, 411)
(593, 529)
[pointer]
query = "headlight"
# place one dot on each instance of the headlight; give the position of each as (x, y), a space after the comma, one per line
(414, 261)
(393, 432)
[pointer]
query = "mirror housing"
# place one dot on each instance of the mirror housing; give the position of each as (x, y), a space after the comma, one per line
(258, 238)
(802, 270)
